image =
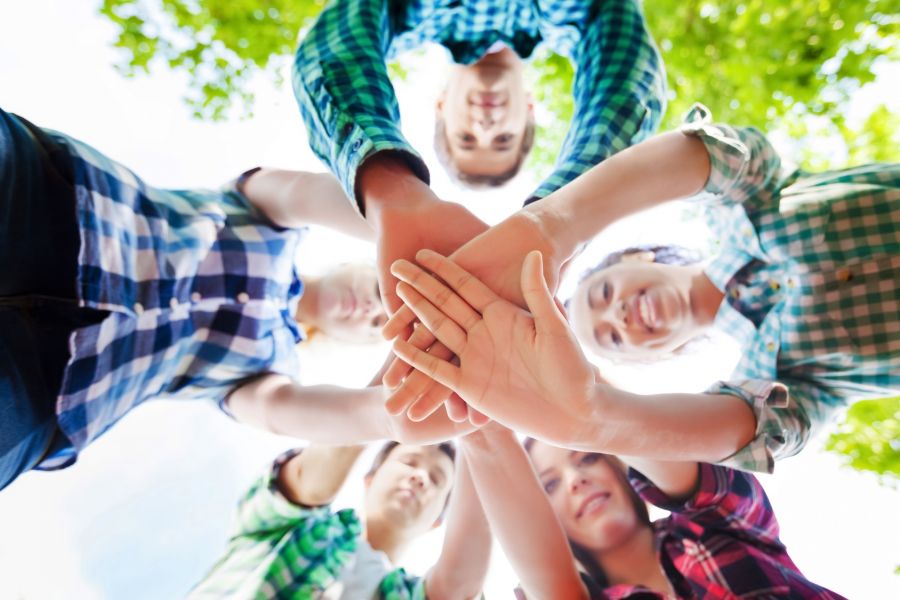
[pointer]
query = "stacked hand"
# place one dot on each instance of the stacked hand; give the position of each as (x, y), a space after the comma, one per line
(524, 369)
(496, 256)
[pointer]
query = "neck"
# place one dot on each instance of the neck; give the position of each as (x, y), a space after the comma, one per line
(634, 562)
(705, 297)
(308, 307)
(386, 537)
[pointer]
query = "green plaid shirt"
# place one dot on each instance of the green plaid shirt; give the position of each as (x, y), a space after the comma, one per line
(810, 268)
(350, 110)
(284, 551)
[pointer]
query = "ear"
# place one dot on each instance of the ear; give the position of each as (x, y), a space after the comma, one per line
(529, 99)
(437, 522)
(439, 103)
(367, 481)
(642, 256)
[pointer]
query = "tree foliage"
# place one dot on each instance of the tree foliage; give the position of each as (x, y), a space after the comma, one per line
(869, 438)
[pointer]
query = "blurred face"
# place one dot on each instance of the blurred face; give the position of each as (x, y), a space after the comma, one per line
(589, 499)
(349, 307)
(485, 108)
(635, 308)
(410, 488)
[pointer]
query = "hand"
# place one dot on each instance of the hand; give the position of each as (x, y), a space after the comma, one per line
(432, 430)
(524, 370)
(496, 257)
(407, 216)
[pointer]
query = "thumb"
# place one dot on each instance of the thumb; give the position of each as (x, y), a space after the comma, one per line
(540, 301)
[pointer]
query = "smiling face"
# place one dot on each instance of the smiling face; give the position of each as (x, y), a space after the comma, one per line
(410, 488)
(588, 495)
(485, 110)
(635, 308)
(349, 304)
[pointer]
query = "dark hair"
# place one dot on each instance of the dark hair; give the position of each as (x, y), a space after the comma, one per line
(584, 556)
(447, 448)
(477, 182)
(666, 255)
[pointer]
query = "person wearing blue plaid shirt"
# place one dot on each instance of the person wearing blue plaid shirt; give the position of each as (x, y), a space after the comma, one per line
(115, 292)
(806, 278)
(484, 119)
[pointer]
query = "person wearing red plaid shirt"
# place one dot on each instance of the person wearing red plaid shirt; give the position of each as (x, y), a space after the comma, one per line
(587, 534)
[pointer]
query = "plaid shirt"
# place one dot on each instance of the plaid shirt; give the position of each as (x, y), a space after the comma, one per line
(721, 543)
(281, 550)
(347, 101)
(810, 266)
(200, 290)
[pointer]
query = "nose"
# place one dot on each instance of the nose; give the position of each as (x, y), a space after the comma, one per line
(615, 313)
(576, 483)
(417, 480)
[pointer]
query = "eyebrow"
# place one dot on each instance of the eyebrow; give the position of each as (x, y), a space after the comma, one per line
(572, 453)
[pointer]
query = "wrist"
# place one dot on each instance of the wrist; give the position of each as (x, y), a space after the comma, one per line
(554, 227)
(386, 180)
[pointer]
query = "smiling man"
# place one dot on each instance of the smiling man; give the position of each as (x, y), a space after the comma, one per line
(289, 543)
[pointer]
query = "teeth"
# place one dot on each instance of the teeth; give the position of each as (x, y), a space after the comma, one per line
(646, 313)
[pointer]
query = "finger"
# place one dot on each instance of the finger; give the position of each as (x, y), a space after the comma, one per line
(430, 400)
(421, 338)
(399, 321)
(441, 325)
(438, 294)
(457, 409)
(416, 383)
(478, 418)
(440, 370)
(469, 287)
(547, 317)
(387, 284)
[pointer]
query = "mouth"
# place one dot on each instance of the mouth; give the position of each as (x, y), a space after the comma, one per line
(348, 305)
(408, 495)
(488, 99)
(593, 504)
(645, 311)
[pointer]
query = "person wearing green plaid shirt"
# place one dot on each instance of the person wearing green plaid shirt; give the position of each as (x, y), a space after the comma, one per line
(484, 124)
(289, 543)
(806, 278)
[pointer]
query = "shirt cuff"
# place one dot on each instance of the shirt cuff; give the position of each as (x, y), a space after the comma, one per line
(360, 142)
(728, 155)
(778, 431)
(713, 485)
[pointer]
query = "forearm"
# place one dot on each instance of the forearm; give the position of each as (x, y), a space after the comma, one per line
(669, 427)
(297, 198)
(521, 516)
(323, 414)
(667, 167)
(314, 477)
(463, 564)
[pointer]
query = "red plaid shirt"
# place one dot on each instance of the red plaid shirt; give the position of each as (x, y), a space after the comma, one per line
(721, 543)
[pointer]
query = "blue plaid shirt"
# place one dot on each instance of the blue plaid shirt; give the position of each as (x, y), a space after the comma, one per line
(350, 110)
(200, 287)
(810, 267)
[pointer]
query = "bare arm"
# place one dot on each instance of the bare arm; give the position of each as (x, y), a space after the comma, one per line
(331, 415)
(521, 516)
(316, 475)
(297, 198)
(463, 564)
(667, 167)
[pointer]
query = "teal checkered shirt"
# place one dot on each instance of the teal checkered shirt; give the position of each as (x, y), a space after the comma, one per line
(350, 110)
(810, 267)
(281, 550)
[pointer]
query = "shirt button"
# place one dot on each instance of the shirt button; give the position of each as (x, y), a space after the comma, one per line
(195, 297)
(790, 283)
(770, 346)
(357, 145)
(747, 232)
(735, 293)
(173, 302)
(138, 308)
(243, 297)
(844, 275)
(775, 285)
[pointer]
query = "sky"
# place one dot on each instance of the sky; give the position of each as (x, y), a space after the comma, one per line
(147, 509)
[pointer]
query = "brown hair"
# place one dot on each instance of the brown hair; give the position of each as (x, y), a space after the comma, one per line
(584, 556)
(476, 182)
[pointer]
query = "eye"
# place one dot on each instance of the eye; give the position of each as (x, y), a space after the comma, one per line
(436, 478)
(588, 459)
(615, 338)
(379, 321)
(504, 139)
(607, 291)
(551, 485)
(466, 138)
